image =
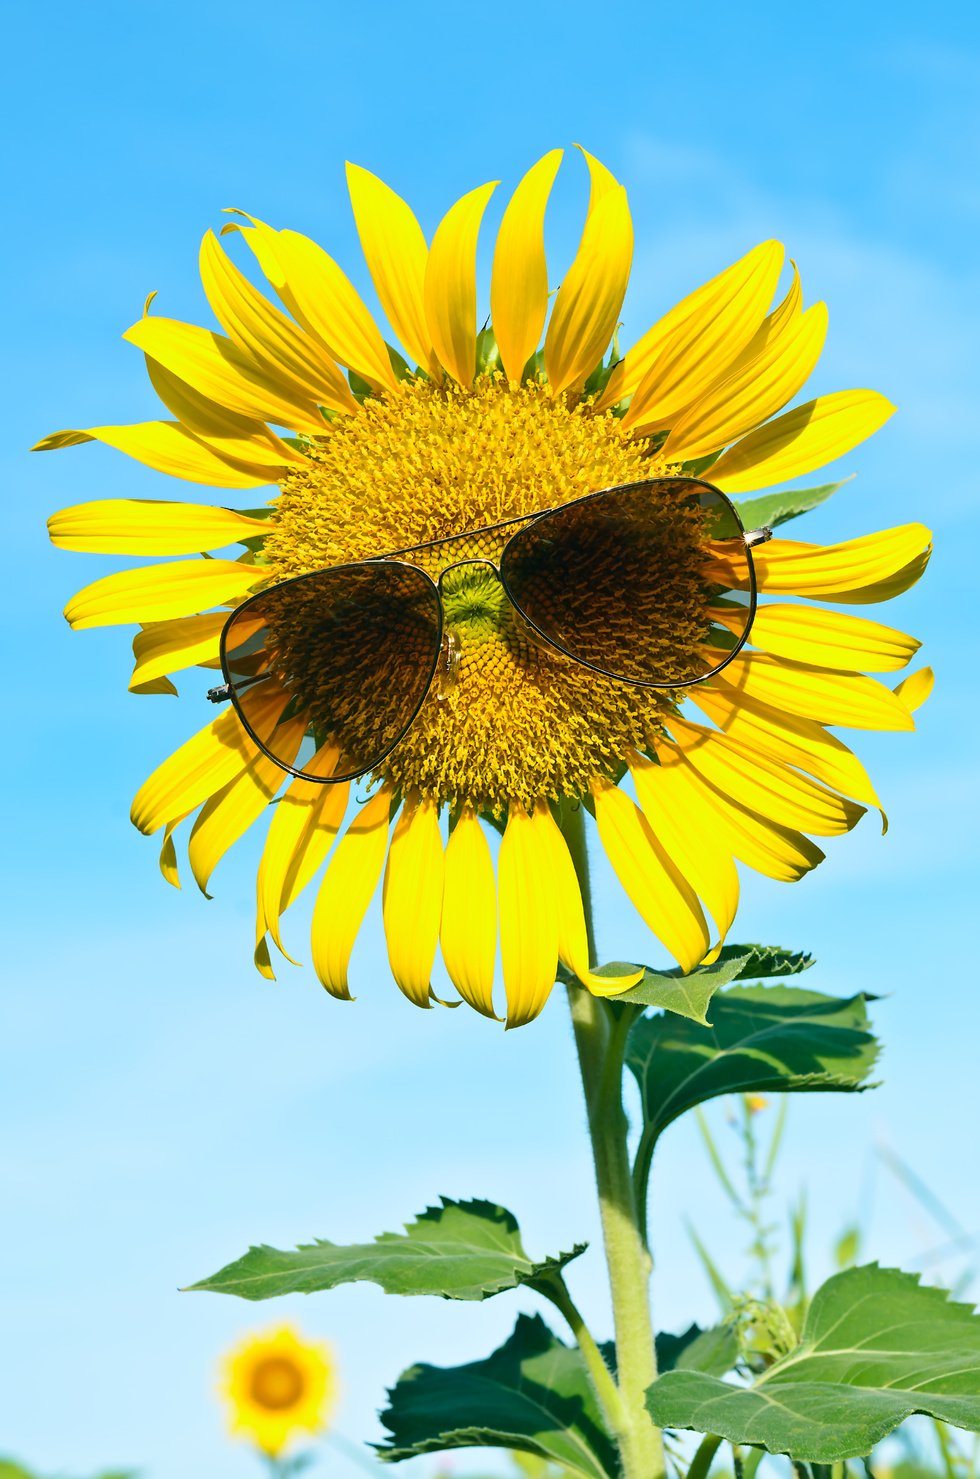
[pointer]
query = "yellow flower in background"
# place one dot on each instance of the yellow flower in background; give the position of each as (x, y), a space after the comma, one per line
(490, 426)
(278, 1387)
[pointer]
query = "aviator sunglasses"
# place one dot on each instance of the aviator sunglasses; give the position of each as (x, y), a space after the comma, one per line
(649, 583)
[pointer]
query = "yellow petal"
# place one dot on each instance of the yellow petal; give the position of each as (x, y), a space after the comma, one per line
(304, 826)
(777, 322)
(589, 301)
(227, 816)
(755, 391)
(814, 693)
(528, 918)
(395, 251)
(159, 592)
(830, 639)
(468, 935)
(168, 447)
(601, 179)
(153, 685)
(269, 336)
(787, 737)
(700, 338)
(778, 852)
(141, 526)
(812, 435)
(661, 895)
(781, 321)
(519, 285)
(573, 944)
(263, 961)
(218, 369)
(916, 688)
(206, 762)
(762, 784)
(270, 251)
(168, 854)
(450, 284)
(685, 831)
(329, 306)
(708, 303)
(240, 440)
(412, 897)
(168, 646)
(347, 889)
(858, 571)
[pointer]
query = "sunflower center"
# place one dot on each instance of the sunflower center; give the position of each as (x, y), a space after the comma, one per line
(276, 1383)
(521, 720)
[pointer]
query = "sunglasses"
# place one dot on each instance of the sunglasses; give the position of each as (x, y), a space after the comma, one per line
(651, 584)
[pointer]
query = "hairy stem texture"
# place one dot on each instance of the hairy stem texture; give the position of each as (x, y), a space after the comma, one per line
(600, 1031)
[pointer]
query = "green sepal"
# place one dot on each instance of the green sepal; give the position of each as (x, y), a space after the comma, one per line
(487, 352)
(698, 466)
(532, 1394)
(778, 508)
(398, 362)
(459, 1250)
(761, 1039)
(689, 994)
(876, 1347)
(534, 371)
(360, 388)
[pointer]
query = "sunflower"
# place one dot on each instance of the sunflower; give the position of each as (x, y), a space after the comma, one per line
(492, 425)
(277, 1386)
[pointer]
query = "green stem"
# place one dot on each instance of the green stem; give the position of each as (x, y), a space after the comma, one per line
(601, 1029)
(702, 1460)
(602, 1378)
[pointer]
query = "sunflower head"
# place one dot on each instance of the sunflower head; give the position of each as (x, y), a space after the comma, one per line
(372, 449)
(278, 1386)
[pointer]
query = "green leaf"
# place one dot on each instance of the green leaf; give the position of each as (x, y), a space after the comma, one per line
(714, 1351)
(765, 961)
(689, 995)
(877, 1346)
(459, 1250)
(776, 508)
(532, 1394)
(761, 1039)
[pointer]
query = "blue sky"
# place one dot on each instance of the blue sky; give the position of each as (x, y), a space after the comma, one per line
(165, 1105)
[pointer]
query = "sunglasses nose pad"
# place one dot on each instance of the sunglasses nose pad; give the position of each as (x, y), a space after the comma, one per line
(447, 671)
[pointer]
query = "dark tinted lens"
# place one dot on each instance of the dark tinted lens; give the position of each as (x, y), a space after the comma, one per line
(353, 650)
(649, 582)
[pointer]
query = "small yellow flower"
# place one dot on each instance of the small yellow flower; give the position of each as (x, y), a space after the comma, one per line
(756, 1103)
(744, 768)
(278, 1386)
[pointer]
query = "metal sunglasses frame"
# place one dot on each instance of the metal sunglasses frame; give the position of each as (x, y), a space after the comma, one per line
(229, 689)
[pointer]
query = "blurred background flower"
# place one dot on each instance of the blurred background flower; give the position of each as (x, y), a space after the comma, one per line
(278, 1387)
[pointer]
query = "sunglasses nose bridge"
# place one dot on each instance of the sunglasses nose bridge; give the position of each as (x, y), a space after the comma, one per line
(462, 564)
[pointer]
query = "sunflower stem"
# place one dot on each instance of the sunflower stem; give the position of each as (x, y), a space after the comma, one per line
(602, 1378)
(601, 1030)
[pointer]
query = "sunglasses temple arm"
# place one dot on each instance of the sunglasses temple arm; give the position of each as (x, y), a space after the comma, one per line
(757, 536)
